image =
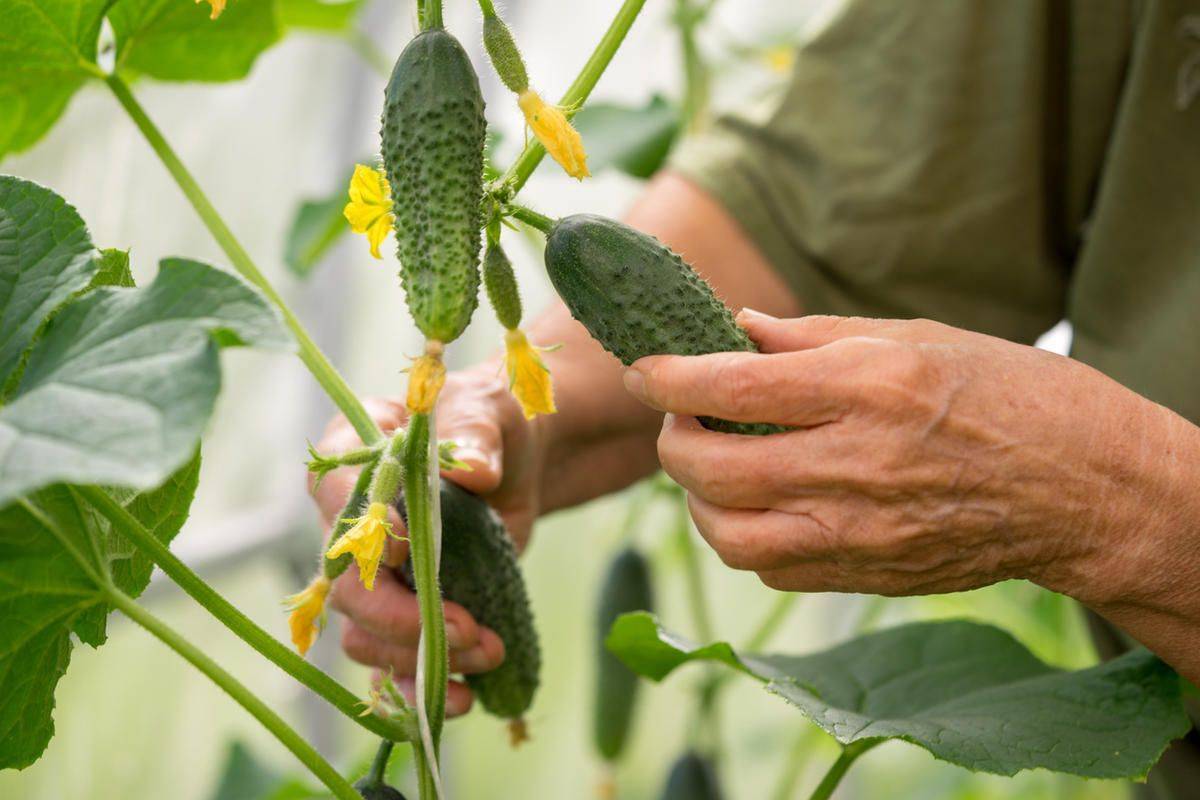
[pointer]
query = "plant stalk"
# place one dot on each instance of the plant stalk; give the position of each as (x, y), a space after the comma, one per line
(433, 15)
(530, 217)
(238, 691)
(232, 618)
(577, 93)
(325, 373)
(837, 771)
(422, 497)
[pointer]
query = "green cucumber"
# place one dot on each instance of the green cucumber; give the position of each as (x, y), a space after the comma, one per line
(638, 298)
(626, 588)
(692, 778)
(432, 147)
(479, 572)
(376, 791)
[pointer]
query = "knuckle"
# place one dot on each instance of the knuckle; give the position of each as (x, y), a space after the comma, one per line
(735, 380)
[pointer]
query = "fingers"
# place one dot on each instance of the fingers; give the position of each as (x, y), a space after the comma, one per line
(366, 648)
(390, 611)
(479, 443)
(796, 389)
(762, 540)
(774, 335)
(458, 697)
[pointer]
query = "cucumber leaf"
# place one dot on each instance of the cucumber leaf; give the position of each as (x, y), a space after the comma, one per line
(319, 15)
(174, 40)
(46, 257)
(113, 269)
(634, 140)
(46, 50)
(120, 386)
(968, 693)
(47, 594)
(317, 226)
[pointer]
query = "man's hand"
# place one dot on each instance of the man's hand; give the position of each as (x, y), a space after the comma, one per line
(382, 626)
(930, 459)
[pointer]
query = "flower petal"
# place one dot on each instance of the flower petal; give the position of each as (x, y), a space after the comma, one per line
(528, 377)
(552, 128)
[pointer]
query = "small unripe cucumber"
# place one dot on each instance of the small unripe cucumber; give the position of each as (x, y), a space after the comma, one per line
(479, 572)
(506, 58)
(433, 138)
(692, 778)
(501, 284)
(638, 298)
(626, 588)
(373, 791)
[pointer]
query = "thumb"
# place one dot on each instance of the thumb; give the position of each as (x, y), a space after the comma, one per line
(775, 335)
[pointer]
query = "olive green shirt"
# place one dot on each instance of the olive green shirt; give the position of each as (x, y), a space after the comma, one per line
(998, 165)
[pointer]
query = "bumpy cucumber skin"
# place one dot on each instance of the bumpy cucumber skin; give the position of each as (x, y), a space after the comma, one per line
(376, 792)
(627, 587)
(692, 778)
(433, 137)
(500, 282)
(638, 298)
(479, 572)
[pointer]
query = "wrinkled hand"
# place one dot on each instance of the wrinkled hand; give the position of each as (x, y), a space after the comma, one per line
(383, 626)
(925, 458)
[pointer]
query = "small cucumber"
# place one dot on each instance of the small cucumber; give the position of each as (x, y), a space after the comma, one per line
(638, 298)
(626, 588)
(432, 147)
(479, 572)
(692, 778)
(376, 791)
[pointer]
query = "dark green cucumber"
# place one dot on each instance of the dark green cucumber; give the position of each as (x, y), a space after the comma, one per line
(692, 778)
(638, 298)
(626, 588)
(479, 572)
(377, 791)
(433, 138)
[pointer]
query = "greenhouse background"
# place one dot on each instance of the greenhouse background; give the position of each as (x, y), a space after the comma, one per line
(140, 723)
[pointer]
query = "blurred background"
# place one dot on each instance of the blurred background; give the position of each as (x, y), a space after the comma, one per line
(139, 723)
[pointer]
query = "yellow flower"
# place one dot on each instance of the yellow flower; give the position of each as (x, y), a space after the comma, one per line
(552, 128)
(370, 208)
(308, 613)
(217, 7)
(425, 379)
(528, 376)
(780, 58)
(365, 542)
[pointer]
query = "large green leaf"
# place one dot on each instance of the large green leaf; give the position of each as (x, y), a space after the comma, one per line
(48, 592)
(635, 140)
(968, 693)
(120, 386)
(46, 256)
(174, 40)
(47, 49)
(324, 16)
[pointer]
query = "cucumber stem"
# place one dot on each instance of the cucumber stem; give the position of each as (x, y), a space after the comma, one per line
(432, 17)
(837, 770)
(325, 373)
(378, 774)
(577, 93)
(240, 693)
(242, 626)
(422, 497)
(530, 217)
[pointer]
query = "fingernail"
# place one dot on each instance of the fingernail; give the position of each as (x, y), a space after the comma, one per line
(751, 313)
(471, 455)
(473, 660)
(454, 636)
(635, 382)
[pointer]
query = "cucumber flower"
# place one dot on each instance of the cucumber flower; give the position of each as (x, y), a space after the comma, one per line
(552, 128)
(217, 7)
(365, 542)
(370, 208)
(425, 379)
(528, 376)
(307, 613)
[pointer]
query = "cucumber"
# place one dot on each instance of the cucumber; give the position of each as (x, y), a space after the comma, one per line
(692, 778)
(432, 147)
(626, 588)
(638, 298)
(479, 571)
(377, 791)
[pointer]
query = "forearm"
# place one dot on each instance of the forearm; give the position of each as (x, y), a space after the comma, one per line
(602, 439)
(1147, 582)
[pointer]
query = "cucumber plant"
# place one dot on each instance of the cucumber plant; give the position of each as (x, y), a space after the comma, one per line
(87, 511)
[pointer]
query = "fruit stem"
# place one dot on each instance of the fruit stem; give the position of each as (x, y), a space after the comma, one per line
(240, 693)
(432, 18)
(378, 774)
(325, 373)
(577, 93)
(242, 626)
(530, 217)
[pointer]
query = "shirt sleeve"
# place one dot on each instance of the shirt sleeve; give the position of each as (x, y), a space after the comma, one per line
(900, 169)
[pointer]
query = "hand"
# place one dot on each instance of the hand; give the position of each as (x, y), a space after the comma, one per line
(383, 626)
(925, 459)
